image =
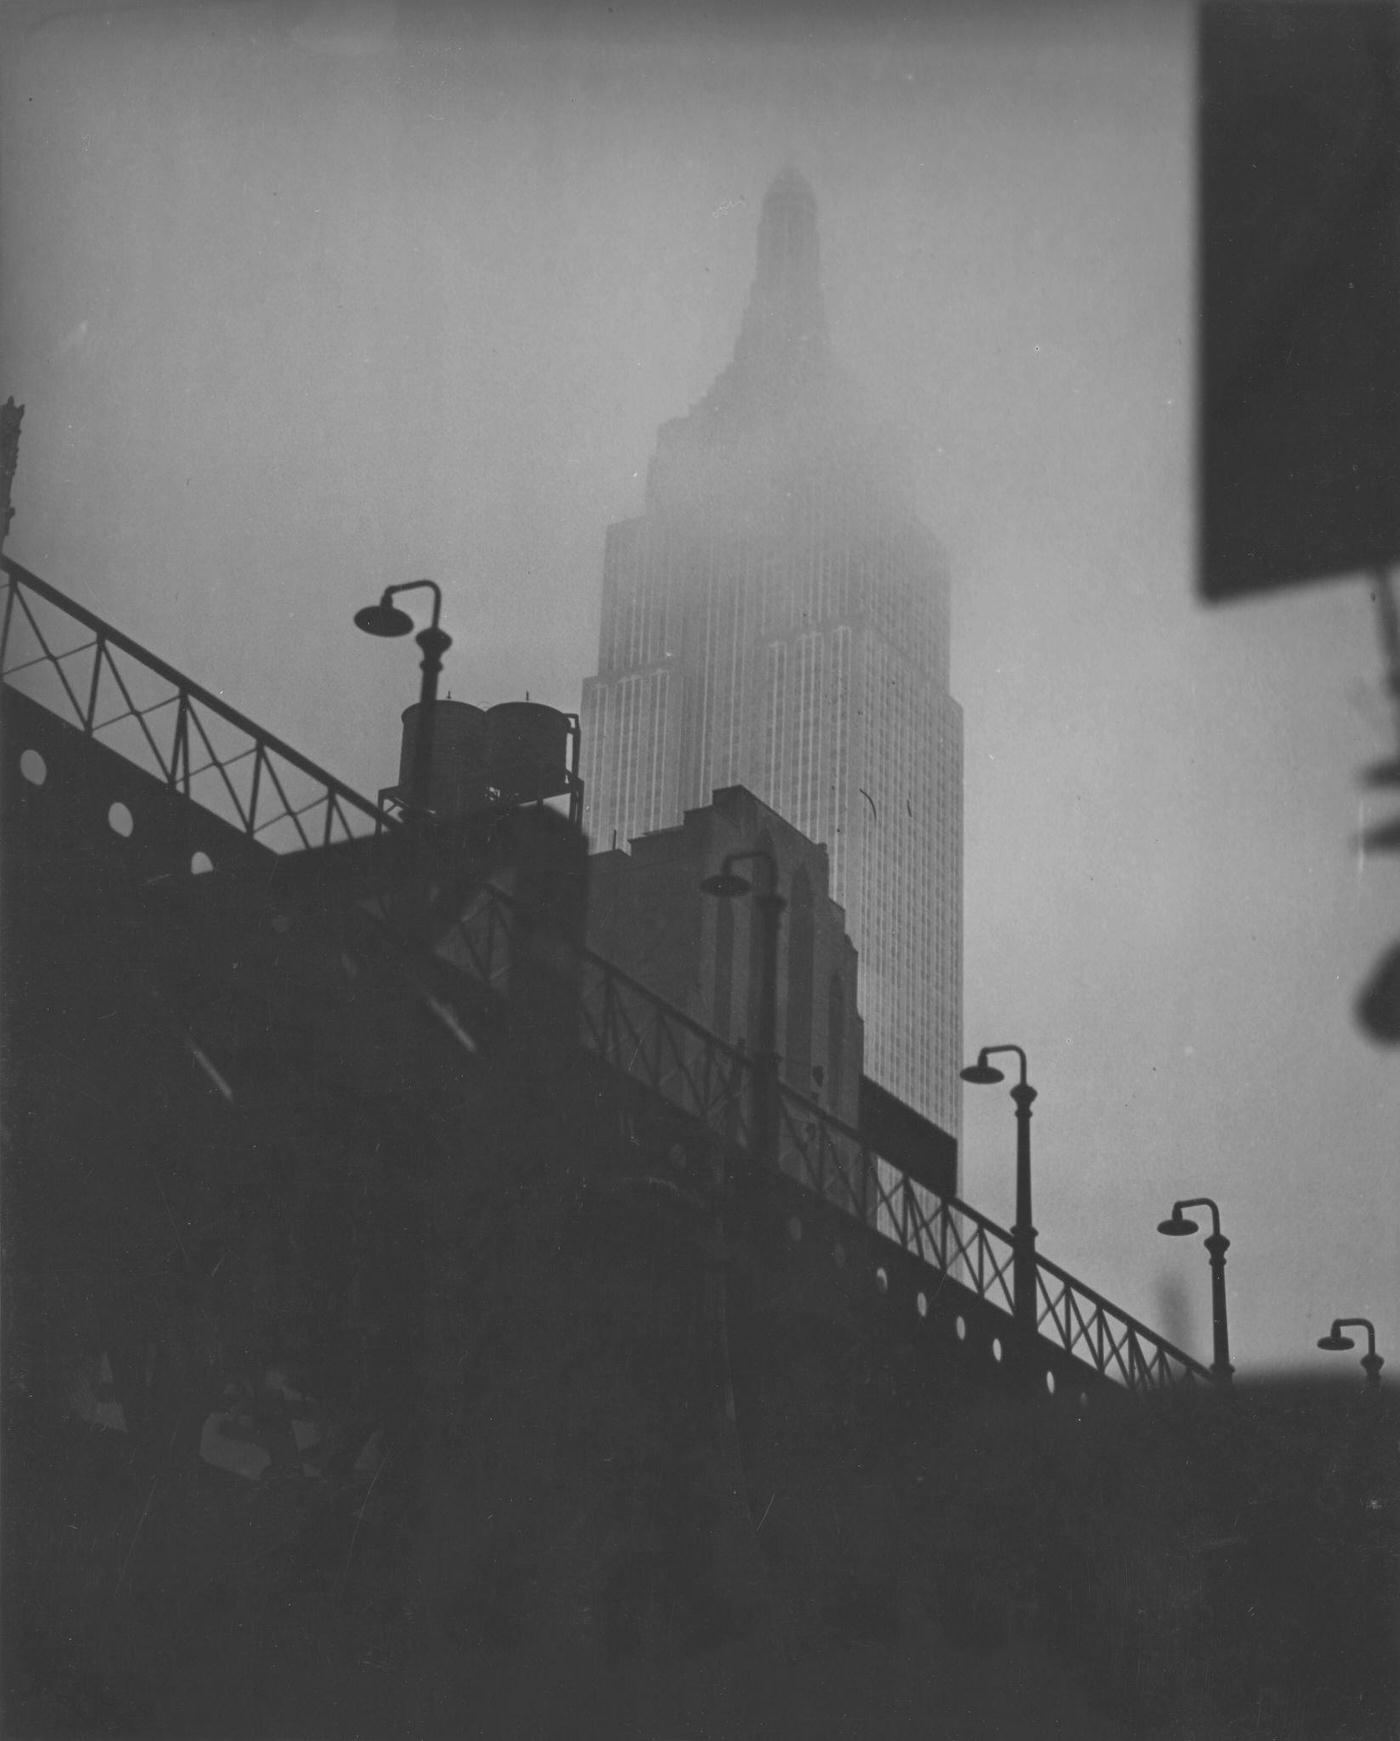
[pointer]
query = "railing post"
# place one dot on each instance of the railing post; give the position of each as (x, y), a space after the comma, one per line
(180, 755)
(254, 790)
(11, 588)
(90, 719)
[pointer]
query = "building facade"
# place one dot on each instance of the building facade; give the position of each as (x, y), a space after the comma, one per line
(778, 618)
(648, 914)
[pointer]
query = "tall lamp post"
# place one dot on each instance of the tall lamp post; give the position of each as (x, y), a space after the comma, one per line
(725, 884)
(1336, 1343)
(1023, 1232)
(386, 619)
(1217, 1245)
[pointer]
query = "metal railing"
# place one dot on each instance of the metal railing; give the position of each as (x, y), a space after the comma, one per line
(958, 1241)
(628, 1026)
(117, 693)
(1095, 1331)
(644, 1037)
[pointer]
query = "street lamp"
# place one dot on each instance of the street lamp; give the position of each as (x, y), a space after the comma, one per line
(1336, 1343)
(1217, 1245)
(387, 620)
(1023, 1232)
(726, 884)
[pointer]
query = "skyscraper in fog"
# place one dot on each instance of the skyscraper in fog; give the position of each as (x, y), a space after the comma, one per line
(777, 618)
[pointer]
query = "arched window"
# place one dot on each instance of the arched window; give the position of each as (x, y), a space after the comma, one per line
(724, 966)
(757, 871)
(835, 1039)
(801, 935)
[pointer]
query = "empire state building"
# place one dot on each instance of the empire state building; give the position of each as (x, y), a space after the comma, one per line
(777, 618)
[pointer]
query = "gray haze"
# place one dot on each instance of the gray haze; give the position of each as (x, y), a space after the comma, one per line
(304, 299)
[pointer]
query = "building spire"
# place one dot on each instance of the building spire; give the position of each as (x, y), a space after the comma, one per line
(781, 361)
(785, 312)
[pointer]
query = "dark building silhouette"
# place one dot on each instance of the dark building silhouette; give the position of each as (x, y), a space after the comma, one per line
(778, 618)
(647, 913)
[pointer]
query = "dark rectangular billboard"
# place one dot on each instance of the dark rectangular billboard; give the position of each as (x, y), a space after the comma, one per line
(1299, 291)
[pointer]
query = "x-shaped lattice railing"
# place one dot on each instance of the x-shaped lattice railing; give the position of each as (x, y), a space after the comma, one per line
(944, 1233)
(118, 694)
(1089, 1327)
(114, 691)
(649, 1040)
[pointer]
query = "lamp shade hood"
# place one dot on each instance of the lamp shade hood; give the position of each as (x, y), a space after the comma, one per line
(384, 619)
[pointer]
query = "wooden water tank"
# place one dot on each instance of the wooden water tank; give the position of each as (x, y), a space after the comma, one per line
(528, 752)
(458, 782)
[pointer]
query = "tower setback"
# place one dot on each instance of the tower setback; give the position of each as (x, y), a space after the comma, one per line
(778, 618)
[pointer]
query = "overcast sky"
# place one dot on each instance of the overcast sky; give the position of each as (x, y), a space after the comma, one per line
(303, 299)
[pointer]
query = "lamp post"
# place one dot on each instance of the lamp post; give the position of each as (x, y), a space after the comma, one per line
(386, 619)
(725, 885)
(1217, 1245)
(1023, 1232)
(1336, 1343)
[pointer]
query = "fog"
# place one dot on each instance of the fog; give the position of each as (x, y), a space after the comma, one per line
(306, 299)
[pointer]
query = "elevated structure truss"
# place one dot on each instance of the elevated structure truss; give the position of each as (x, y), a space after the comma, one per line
(105, 686)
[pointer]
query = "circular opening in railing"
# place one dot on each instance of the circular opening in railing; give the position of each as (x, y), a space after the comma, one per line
(795, 1228)
(960, 1325)
(200, 864)
(1050, 1383)
(120, 820)
(921, 1303)
(838, 1255)
(882, 1280)
(996, 1347)
(34, 768)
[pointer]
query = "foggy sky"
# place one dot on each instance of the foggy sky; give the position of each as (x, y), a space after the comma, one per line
(306, 299)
